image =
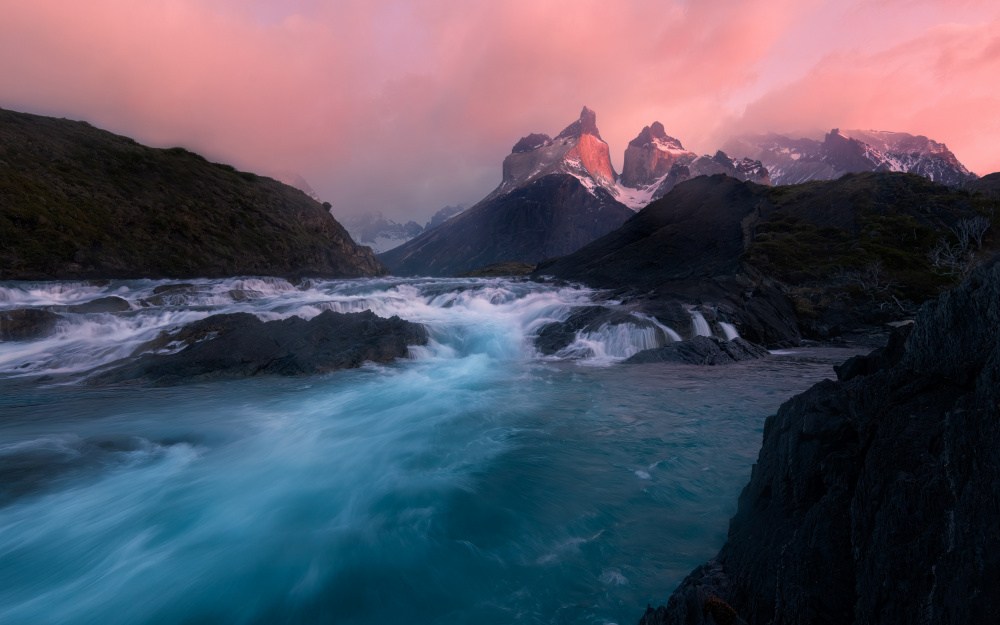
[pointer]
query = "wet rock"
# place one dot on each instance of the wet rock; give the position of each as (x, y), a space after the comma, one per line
(108, 304)
(241, 345)
(172, 288)
(880, 359)
(555, 336)
(874, 498)
(24, 324)
(700, 350)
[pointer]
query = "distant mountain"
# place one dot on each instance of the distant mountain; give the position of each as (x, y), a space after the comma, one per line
(556, 195)
(79, 202)
(293, 179)
(379, 233)
(444, 215)
(382, 234)
(656, 162)
(793, 161)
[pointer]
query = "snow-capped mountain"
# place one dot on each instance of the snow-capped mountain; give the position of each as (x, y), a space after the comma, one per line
(793, 161)
(578, 151)
(555, 196)
(656, 162)
(379, 233)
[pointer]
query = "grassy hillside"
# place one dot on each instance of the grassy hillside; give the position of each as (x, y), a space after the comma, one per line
(79, 202)
(885, 225)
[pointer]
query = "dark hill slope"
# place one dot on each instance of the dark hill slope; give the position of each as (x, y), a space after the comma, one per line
(783, 263)
(704, 226)
(551, 216)
(79, 202)
(874, 499)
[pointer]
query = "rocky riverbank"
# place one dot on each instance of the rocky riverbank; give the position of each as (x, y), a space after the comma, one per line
(874, 498)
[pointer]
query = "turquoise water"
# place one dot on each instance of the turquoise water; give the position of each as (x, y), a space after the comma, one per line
(475, 482)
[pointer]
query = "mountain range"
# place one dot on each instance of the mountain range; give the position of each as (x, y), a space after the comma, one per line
(793, 161)
(559, 193)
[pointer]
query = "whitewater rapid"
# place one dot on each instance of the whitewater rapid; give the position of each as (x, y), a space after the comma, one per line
(494, 317)
(474, 482)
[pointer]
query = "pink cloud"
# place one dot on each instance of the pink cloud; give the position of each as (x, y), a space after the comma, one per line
(942, 84)
(404, 107)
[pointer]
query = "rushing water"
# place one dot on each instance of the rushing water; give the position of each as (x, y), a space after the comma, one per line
(474, 482)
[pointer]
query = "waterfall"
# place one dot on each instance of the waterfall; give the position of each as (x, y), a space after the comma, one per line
(700, 325)
(730, 330)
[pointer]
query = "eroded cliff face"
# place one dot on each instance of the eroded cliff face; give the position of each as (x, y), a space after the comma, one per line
(650, 156)
(875, 497)
(578, 151)
(655, 163)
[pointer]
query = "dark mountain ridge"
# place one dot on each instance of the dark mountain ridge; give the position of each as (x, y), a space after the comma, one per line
(79, 202)
(551, 216)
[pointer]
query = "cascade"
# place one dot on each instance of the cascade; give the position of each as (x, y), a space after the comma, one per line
(700, 325)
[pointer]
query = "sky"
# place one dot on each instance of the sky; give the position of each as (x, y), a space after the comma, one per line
(405, 107)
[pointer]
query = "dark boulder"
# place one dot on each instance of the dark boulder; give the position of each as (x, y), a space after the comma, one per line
(241, 345)
(108, 304)
(23, 324)
(874, 498)
(701, 350)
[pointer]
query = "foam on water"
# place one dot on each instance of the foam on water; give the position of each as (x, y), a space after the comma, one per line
(473, 483)
(463, 316)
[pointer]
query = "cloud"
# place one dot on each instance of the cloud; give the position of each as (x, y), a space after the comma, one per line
(404, 107)
(942, 83)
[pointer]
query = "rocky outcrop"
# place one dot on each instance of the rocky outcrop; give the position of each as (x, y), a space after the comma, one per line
(874, 498)
(794, 161)
(651, 155)
(240, 345)
(700, 350)
(24, 324)
(80, 203)
(577, 151)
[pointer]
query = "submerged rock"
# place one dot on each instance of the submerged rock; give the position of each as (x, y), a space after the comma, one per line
(23, 324)
(108, 304)
(241, 345)
(701, 350)
(874, 498)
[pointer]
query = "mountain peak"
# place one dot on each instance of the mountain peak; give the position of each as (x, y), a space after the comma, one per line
(586, 125)
(655, 134)
(531, 142)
